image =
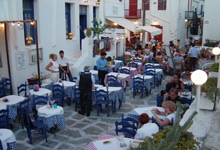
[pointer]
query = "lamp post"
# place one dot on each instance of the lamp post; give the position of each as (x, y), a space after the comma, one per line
(216, 52)
(198, 77)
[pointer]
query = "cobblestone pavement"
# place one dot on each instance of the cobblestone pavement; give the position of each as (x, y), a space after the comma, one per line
(81, 130)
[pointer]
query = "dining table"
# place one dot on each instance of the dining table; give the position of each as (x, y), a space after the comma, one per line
(122, 77)
(68, 88)
(133, 71)
(8, 139)
(11, 105)
(135, 113)
(111, 142)
(148, 81)
(159, 73)
(52, 116)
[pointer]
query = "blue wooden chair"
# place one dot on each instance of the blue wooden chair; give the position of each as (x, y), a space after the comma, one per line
(121, 58)
(138, 60)
(23, 107)
(133, 64)
(112, 80)
(132, 121)
(125, 128)
(95, 67)
(36, 127)
(58, 93)
(39, 100)
(125, 70)
(22, 89)
(138, 85)
(4, 118)
(153, 73)
(1, 90)
(103, 99)
(159, 100)
(148, 66)
(1, 147)
(7, 86)
(76, 97)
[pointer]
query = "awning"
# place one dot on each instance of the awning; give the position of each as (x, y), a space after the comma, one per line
(124, 23)
(150, 29)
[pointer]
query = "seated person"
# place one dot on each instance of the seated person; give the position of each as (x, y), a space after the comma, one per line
(109, 59)
(169, 113)
(145, 129)
(178, 59)
(173, 96)
(175, 83)
(186, 75)
(159, 58)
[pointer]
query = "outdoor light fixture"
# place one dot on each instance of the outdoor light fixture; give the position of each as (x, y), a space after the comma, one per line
(85, 1)
(198, 77)
(2, 25)
(98, 2)
(32, 23)
(216, 51)
(12, 24)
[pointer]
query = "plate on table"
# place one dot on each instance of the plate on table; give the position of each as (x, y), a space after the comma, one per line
(106, 142)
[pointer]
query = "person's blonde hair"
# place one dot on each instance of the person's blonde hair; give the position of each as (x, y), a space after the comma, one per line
(171, 105)
(52, 55)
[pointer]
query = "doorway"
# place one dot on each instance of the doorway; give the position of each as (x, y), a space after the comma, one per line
(82, 23)
(159, 37)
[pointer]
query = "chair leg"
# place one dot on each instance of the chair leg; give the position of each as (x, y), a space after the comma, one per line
(108, 110)
(97, 109)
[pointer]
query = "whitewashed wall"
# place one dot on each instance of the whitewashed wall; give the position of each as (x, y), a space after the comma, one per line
(50, 15)
(211, 26)
(114, 8)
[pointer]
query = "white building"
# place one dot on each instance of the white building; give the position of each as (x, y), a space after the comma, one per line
(55, 19)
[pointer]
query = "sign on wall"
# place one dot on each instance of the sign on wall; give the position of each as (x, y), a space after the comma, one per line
(20, 59)
(169, 56)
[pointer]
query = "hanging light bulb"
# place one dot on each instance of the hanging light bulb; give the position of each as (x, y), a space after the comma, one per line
(13, 23)
(98, 2)
(32, 23)
(2, 25)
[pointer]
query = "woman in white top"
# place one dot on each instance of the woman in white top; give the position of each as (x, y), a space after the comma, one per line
(169, 109)
(145, 129)
(53, 67)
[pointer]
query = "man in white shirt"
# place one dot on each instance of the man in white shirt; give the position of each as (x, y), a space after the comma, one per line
(63, 65)
(193, 55)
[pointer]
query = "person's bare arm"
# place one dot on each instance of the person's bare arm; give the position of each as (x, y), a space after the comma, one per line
(161, 122)
(48, 67)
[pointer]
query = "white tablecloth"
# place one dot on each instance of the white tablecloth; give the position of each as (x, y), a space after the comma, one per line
(6, 136)
(66, 84)
(13, 99)
(119, 75)
(114, 144)
(129, 68)
(147, 110)
(46, 111)
(110, 89)
(41, 92)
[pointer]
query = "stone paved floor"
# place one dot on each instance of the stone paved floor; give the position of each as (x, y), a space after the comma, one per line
(81, 130)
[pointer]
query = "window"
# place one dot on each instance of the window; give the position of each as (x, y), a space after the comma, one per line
(162, 4)
(147, 5)
(28, 14)
(68, 20)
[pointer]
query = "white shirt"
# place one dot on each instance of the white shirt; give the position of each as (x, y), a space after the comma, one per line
(171, 116)
(63, 61)
(147, 130)
(55, 66)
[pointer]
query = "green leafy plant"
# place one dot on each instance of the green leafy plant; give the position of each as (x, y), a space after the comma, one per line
(88, 32)
(214, 67)
(99, 27)
(211, 90)
(172, 138)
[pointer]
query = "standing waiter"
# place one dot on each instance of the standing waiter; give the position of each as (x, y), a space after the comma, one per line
(102, 65)
(85, 83)
(193, 55)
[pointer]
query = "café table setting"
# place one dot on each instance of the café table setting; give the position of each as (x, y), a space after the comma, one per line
(116, 94)
(158, 72)
(68, 88)
(52, 115)
(133, 71)
(11, 102)
(118, 64)
(135, 113)
(8, 139)
(122, 77)
(148, 80)
(110, 142)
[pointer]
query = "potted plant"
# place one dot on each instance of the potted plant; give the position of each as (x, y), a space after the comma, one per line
(211, 90)
(70, 36)
(98, 28)
(88, 32)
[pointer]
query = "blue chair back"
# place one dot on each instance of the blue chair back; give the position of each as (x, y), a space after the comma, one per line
(121, 58)
(133, 121)
(138, 83)
(74, 79)
(113, 81)
(40, 100)
(149, 72)
(138, 60)
(125, 128)
(133, 64)
(102, 95)
(95, 67)
(1, 89)
(4, 118)
(125, 70)
(148, 66)
(22, 88)
(58, 93)
(7, 86)
(76, 97)
(158, 67)
(23, 107)
(159, 100)
(154, 61)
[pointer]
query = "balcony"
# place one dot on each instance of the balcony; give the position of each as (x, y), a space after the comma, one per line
(132, 14)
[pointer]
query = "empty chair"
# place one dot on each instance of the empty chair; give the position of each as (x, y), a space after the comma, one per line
(138, 60)
(121, 58)
(23, 107)
(7, 86)
(73, 79)
(103, 99)
(58, 93)
(138, 85)
(39, 101)
(22, 89)
(125, 70)
(124, 127)
(4, 118)
(153, 73)
(111, 79)
(133, 64)
(1, 146)
(76, 97)
(36, 127)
